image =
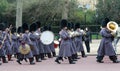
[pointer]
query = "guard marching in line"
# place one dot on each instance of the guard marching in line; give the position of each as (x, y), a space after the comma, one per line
(106, 47)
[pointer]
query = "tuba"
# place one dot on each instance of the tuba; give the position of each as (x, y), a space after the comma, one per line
(112, 26)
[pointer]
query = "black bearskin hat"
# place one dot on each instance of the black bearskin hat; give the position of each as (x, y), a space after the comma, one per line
(49, 27)
(13, 30)
(33, 27)
(19, 30)
(63, 23)
(25, 27)
(104, 22)
(38, 24)
(2, 27)
(45, 28)
(72, 25)
(69, 26)
(77, 25)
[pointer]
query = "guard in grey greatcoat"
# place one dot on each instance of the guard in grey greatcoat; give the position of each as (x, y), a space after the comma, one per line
(20, 56)
(26, 40)
(2, 50)
(72, 39)
(33, 37)
(7, 43)
(65, 46)
(106, 47)
(40, 45)
(14, 43)
(47, 47)
(78, 40)
(52, 45)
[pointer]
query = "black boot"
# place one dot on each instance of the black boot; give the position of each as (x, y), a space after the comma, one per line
(99, 61)
(19, 61)
(49, 55)
(25, 59)
(42, 56)
(37, 58)
(70, 60)
(4, 59)
(76, 56)
(83, 54)
(57, 60)
(116, 61)
(31, 61)
(73, 57)
(9, 57)
(54, 54)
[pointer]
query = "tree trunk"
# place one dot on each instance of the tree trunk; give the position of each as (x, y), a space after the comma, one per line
(65, 9)
(19, 13)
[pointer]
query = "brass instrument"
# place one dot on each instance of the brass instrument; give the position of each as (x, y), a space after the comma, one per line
(24, 49)
(112, 26)
(80, 32)
(71, 34)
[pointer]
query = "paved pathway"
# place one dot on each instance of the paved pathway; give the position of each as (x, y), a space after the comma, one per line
(83, 64)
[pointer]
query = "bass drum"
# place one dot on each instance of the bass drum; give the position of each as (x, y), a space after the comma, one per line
(47, 37)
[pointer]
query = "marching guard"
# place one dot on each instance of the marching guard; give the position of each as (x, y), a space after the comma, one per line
(106, 47)
(7, 42)
(2, 47)
(65, 46)
(25, 43)
(33, 37)
(47, 49)
(78, 39)
(40, 45)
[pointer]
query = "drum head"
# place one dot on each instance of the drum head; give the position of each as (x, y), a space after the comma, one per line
(47, 37)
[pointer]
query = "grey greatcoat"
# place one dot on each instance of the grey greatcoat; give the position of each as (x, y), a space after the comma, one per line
(2, 51)
(74, 49)
(78, 41)
(47, 48)
(26, 39)
(52, 47)
(7, 44)
(14, 44)
(33, 39)
(40, 45)
(106, 47)
(65, 46)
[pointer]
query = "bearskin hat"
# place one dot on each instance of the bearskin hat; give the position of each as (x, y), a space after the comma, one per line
(2, 27)
(25, 27)
(19, 30)
(33, 27)
(49, 27)
(104, 22)
(45, 28)
(63, 23)
(69, 25)
(72, 25)
(38, 24)
(13, 30)
(77, 25)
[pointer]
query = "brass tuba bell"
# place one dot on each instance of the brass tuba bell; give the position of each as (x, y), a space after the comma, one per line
(112, 26)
